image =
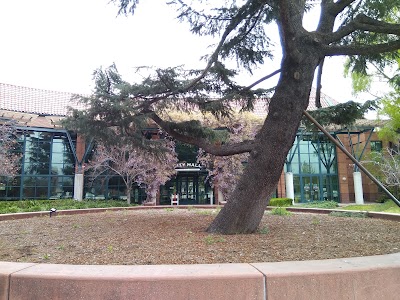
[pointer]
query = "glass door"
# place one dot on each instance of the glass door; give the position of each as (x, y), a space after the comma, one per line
(191, 187)
(311, 188)
(187, 189)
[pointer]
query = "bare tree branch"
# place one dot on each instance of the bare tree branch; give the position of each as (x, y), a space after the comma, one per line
(262, 79)
(361, 49)
(364, 23)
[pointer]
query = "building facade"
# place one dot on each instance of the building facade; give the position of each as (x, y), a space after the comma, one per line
(52, 159)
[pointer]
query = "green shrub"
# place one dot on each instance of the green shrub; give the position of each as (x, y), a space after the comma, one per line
(12, 209)
(281, 202)
(264, 230)
(321, 204)
(45, 205)
(381, 199)
(349, 214)
(280, 211)
(36, 208)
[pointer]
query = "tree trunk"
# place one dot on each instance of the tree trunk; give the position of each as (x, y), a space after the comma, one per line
(128, 196)
(243, 211)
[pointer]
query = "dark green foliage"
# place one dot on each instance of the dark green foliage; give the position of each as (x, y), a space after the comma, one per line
(280, 202)
(118, 112)
(193, 128)
(382, 199)
(342, 114)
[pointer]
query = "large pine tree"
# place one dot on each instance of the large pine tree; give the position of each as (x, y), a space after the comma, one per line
(364, 30)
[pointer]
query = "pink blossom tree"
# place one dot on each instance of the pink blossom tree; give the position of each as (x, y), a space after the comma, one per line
(163, 169)
(9, 160)
(136, 165)
(225, 171)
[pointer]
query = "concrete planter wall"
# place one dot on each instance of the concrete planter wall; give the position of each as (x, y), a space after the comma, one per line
(358, 278)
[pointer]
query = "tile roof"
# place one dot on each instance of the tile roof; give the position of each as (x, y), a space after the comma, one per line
(44, 108)
(37, 101)
(261, 106)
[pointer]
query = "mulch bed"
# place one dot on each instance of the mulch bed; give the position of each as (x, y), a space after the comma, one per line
(178, 237)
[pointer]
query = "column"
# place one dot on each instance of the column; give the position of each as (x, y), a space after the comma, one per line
(358, 189)
(78, 186)
(289, 186)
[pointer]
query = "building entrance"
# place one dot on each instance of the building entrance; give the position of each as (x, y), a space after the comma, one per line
(192, 188)
(309, 188)
(187, 187)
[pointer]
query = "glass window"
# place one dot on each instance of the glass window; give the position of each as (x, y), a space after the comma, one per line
(303, 147)
(57, 158)
(58, 147)
(315, 178)
(29, 192)
(47, 158)
(376, 146)
(29, 181)
(295, 167)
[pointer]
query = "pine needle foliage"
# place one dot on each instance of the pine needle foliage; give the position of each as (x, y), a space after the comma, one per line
(344, 114)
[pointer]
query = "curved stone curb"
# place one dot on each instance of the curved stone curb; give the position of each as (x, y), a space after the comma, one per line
(26, 215)
(359, 278)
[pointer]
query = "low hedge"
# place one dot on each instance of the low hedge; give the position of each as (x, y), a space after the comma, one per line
(45, 205)
(281, 202)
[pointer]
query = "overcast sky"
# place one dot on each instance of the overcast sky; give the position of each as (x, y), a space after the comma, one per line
(56, 45)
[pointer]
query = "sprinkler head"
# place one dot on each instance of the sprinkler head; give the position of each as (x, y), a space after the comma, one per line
(52, 210)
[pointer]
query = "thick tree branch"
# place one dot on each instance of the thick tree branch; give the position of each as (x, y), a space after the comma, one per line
(339, 6)
(291, 17)
(326, 19)
(361, 49)
(364, 23)
(217, 150)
